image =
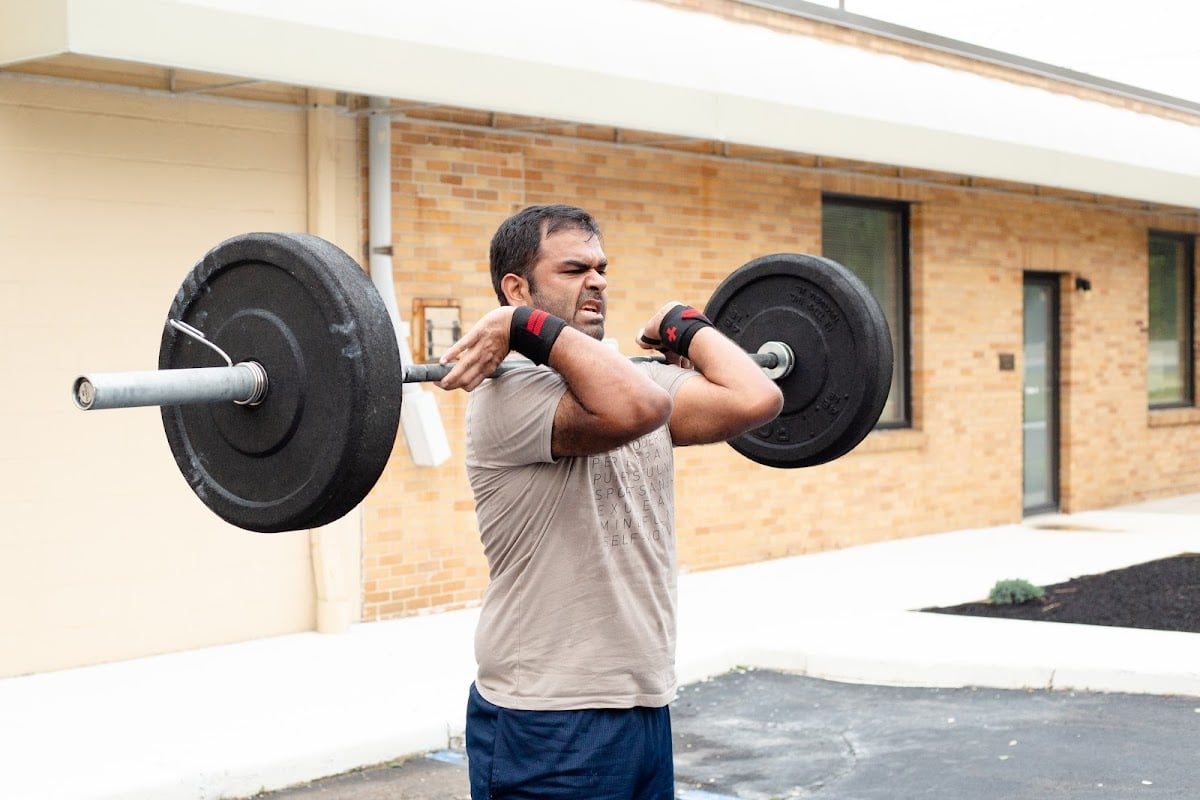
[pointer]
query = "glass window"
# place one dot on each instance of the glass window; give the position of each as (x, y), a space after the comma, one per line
(871, 238)
(1170, 368)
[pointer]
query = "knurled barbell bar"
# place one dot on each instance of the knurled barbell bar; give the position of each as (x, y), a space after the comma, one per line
(297, 431)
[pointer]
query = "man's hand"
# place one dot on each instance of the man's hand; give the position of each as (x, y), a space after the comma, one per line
(479, 351)
(648, 338)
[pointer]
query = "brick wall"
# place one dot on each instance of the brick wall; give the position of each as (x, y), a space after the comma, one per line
(675, 224)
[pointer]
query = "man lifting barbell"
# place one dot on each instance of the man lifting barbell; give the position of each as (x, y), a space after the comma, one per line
(573, 474)
(571, 466)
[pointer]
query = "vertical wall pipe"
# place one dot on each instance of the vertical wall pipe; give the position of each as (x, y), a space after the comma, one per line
(419, 418)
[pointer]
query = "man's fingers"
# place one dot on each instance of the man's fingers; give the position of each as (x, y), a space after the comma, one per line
(647, 343)
(472, 367)
(462, 376)
(455, 351)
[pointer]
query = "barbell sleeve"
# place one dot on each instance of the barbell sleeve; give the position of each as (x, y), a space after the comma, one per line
(246, 383)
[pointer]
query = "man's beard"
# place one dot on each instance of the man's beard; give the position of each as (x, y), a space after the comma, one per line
(594, 330)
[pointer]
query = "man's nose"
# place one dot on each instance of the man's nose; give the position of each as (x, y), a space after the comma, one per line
(596, 280)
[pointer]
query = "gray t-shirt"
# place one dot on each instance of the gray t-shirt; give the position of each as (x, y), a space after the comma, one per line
(580, 608)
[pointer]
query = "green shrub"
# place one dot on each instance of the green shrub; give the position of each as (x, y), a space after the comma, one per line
(1015, 590)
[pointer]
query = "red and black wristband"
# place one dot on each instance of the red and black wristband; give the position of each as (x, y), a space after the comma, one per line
(532, 333)
(678, 326)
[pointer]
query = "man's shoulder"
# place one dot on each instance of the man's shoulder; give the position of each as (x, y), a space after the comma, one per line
(518, 390)
(519, 380)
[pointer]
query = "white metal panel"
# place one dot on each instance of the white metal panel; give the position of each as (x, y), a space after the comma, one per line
(642, 65)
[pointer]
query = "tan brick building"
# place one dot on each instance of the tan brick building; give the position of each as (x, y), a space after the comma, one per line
(121, 168)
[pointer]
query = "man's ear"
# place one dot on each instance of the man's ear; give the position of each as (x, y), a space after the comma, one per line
(516, 289)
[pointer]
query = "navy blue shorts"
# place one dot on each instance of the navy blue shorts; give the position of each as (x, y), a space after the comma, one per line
(597, 754)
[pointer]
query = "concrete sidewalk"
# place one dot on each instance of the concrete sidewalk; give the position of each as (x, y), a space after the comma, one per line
(230, 721)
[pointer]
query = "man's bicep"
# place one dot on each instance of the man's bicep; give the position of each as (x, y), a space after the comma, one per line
(576, 433)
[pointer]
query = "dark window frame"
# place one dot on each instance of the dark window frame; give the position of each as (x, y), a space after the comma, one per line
(1188, 271)
(903, 338)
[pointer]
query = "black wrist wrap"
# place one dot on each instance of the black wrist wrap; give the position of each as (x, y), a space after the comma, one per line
(678, 326)
(533, 332)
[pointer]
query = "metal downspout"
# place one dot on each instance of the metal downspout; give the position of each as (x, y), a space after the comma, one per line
(419, 418)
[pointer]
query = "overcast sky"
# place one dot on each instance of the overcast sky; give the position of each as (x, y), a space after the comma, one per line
(1152, 44)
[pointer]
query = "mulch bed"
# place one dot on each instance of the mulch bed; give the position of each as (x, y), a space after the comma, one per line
(1159, 595)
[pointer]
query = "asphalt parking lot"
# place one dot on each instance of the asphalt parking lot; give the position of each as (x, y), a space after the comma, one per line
(762, 735)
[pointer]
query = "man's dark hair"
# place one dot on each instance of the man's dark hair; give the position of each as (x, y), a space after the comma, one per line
(517, 240)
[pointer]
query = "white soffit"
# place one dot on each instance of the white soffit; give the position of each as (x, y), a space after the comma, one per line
(640, 65)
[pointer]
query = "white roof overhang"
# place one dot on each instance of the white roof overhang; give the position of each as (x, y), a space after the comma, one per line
(642, 65)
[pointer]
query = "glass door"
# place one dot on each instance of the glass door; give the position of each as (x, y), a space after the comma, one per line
(1040, 418)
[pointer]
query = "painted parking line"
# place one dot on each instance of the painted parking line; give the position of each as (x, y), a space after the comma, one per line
(448, 757)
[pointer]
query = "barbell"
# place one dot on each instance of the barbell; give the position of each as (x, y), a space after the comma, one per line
(296, 428)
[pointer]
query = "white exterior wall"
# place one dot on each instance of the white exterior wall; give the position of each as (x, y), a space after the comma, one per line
(107, 199)
(681, 73)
